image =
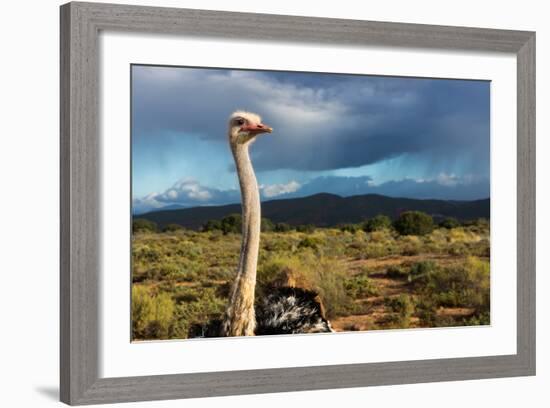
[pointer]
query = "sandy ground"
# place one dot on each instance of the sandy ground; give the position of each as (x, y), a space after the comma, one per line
(378, 313)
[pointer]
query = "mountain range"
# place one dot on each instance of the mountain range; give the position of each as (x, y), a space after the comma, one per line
(326, 210)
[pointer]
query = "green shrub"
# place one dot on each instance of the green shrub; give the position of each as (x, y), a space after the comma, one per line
(146, 253)
(426, 310)
(360, 286)
(479, 319)
(404, 308)
(310, 242)
(481, 249)
(376, 250)
(143, 225)
(189, 250)
(414, 223)
(377, 223)
(449, 223)
(383, 236)
(197, 307)
(457, 249)
(410, 245)
(142, 310)
(152, 315)
(212, 225)
(417, 271)
(397, 272)
(457, 286)
(278, 245)
(282, 227)
(172, 228)
(324, 275)
(349, 228)
(482, 223)
(163, 272)
(307, 228)
(422, 268)
(267, 225)
(231, 224)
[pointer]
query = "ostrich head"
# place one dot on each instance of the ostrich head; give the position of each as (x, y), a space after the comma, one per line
(244, 127)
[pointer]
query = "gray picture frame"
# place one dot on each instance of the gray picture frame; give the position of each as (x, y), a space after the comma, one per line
(80, 192)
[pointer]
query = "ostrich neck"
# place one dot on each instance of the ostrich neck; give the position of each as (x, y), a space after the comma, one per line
(251, 213)
(240, 317)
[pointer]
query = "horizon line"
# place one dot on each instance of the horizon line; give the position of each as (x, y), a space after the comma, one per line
(182, 207)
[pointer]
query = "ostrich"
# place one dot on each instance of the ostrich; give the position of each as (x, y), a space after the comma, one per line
(286, 309)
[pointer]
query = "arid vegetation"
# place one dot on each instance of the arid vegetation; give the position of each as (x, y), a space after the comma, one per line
(378, 274)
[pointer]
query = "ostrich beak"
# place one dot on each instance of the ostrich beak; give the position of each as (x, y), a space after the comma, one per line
(256, 129)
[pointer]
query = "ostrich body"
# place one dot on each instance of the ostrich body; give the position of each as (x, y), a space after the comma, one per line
(285, 310)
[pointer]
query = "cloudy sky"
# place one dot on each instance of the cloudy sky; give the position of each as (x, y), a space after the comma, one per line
(342, 134)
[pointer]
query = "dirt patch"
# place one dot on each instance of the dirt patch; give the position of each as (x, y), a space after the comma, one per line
(374, 312)
(455, 312)
(376, 320)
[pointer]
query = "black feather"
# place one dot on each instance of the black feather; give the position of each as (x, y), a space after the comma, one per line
(284, 310)
(290, 311)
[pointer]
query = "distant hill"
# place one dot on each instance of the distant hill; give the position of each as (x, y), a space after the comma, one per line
(325, 210)
(173, 207)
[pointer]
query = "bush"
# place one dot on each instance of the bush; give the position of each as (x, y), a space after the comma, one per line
(456, 286)
(163, 272)
(457, 249)
(146, 253)
(449, 223)
(212, 225)
(383, 236)
(151, 315)
(410, 245)
(310, 242)
(282, 227)
(267, 225)
(376, 250)
(414, 223)
(172, 228)
(479, 223)
(232, 224)
(377, 223)
(360, 286)
(397, 272)
(404, 307)
(482, 249)
(307, 228)
(229, 224)
(190, 250)
(426, 310)
(197, 307)
(423, 268)
(324, 275)
(349, 228)
(274, 244)
(143, 225)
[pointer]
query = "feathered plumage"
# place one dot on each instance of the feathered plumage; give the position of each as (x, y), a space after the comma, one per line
(291, 311)
(285, 310)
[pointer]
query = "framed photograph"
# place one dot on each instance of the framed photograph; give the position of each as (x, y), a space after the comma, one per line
(261, 203)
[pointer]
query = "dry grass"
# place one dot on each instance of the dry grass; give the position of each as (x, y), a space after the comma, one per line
(374, 280)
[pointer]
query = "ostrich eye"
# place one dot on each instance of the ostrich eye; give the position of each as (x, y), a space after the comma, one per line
(239, 122)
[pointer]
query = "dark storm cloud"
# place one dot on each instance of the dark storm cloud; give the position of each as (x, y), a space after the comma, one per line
(446, 187)
(321, 122)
